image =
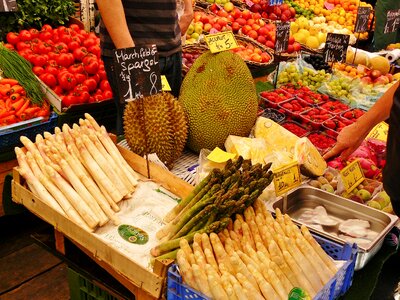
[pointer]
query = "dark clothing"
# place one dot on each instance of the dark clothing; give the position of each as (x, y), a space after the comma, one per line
(149, 22)
(391, 172)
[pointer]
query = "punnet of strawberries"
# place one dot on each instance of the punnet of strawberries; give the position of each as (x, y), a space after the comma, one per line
(335, 107)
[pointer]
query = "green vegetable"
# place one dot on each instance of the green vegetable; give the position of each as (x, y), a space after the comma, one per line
(36, 13)
(15, 66)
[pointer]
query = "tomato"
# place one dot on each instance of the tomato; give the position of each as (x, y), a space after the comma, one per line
(107, 95)
(73, 45)
(89, 42)
(67, 81)
(102, 74)
(39, 60)
(83, 96)
(44, 48)
(91, 84)
(9, 46)
(66, 38)
(34, 33)
(80, 53)
(80, 78)
(92, 67)
(96, 77)
(25, 53)
(75, 27)
(58, 90)
(49, 79)
(52, 55)
(23, 45)
(64, 60)
(61, 47)
(98, 97)
(95, 49)
(45, 35)
(76, 68)
(38, 70)
(24, 35)
(46, 27)
(51, 70)
(81, 88)
(12, 38)
(69, 100)
(105, 85)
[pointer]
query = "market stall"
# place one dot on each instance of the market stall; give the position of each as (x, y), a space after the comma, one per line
(223, 192)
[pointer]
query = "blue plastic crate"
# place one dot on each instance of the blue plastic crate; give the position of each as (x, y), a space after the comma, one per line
(336, 287)
(10, 139)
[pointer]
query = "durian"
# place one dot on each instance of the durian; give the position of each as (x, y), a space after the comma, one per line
(163, 124)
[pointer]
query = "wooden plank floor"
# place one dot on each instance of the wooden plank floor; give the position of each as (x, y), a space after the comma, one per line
(27, 271)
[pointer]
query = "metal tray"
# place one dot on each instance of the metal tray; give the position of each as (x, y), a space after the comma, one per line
(304, 198)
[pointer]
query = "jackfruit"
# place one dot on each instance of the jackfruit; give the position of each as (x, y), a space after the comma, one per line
(163, 124)
(220, 99)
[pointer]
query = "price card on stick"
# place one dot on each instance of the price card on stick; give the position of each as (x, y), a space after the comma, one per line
(282, 36)
(164, 84)
(380, 131)
(138, 72)
(363, 13)
(221, 41)
(392, 21)
(286, 178)
(352, 175)
(336, 47)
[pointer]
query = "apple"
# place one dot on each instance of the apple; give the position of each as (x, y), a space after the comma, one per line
(255, 8)
(366, 80)
(256, 27)
(292, 11)
(253, 34)
(273, 17)
(263, 31)
(241, 21)
(375, 74)
(265, 57)
(290, 49)
(246, 14)
(250, 22)
(190, 29)
(296, 46)
(228, 6)
(287, 13)
(246, 29)
(207, 27)
(222, 22)
(270, 44)
(291, 40)
(198, 28)
(235, 26)
(381, 80)
(261, 39)
(277, 11)
(256, 16)
(236, 13)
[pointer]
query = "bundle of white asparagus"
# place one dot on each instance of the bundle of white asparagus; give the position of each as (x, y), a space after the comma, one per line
(257, 258)
(78, 171)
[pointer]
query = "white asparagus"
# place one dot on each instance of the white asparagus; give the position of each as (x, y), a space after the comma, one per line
(186, 269)
(266, 287)
(208, 251)
(214, 281)
(44, 150)
(219, 251)
(247, 260)
(249, 290)
(185, 247)
(76, 201)
(240, 293)
(201, 280)
(227, 285)
(23, 164)
(240, 267)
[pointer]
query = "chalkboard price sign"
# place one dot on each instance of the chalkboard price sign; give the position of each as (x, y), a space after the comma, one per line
(138, 72)
(336, 47)
(282, 36)
(392, 21)
(275, 2)
(363, 13)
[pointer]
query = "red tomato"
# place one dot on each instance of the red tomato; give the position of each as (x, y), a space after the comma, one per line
(80, 78)
(73, 45)
(12, 38)
(9, 46)
(105, 85)
(49, 79)
(46, 27)
(45, 35)
(95, 49)
(38, 70)
(34, 33)
(39, 60)
(58, 90)
(107, 95)
(67, 81)
(92, 67)
(75, 27)
(102, 74)
(23, 45)
(91, 84)
(52, 69)
(24, 35)
(96, 77)
(98, 98)
(76, 68)
(80, 53)
(61, 47)
(69, 100)
(89, 42)
(44, 48)
(64, 60)
(81, 88)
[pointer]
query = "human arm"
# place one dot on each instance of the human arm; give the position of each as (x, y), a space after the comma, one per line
(113, 15)
(187, 16)
(352, 136)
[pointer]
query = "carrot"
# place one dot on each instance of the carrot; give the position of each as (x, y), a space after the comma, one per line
(17, 104)
(29, 113)
(5, 90)
(8, 120)
(6, 114)
(17, 89)
(8, 103)
(15, 96)
(9, 81)
(24, 106)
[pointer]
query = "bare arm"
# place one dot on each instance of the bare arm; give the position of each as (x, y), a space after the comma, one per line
(352, 136)
(187, 16)
(113, 16)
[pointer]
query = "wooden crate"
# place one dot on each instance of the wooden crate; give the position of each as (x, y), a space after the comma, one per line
(5, 168)
(143, 283)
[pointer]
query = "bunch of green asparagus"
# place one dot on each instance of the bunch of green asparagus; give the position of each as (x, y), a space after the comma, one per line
(209, 207)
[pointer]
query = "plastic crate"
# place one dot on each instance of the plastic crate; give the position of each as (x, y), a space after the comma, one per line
(81, 288)
(334, 288)
(10, 139)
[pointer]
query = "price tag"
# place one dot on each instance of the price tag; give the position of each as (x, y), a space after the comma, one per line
(380, 131)
(249, 3)
(363, 13)
(392, 21)
(286, 178)
(329, 6)
(282, 36)
(275, 2)
(138, 72)
(221, 41)
(352, 175)
(336, 47)
(220, 156)
(164, 84)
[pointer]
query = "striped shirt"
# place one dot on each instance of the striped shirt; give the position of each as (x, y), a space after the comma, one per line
(149, 22)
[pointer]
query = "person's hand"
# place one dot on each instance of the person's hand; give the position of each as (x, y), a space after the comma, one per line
(348, 140)
(185, 21)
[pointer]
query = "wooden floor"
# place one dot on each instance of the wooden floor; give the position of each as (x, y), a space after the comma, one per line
(27, 270)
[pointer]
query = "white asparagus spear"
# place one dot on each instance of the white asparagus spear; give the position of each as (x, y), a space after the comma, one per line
(250, 291)
(201, 280)
(240, 293)
(55, 192)
(97, 173)
(266, 287)
(44, 151)
(214, 281)
(186, 269)
(76, 201)
(23, 164)
(227, 285)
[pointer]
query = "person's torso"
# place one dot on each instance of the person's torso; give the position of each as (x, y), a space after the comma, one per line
(149, 22)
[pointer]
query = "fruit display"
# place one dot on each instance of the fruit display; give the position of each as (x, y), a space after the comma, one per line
(352, 114)
(282, 12)
(337, 123)
(321, 140)
(272, 98)
(67, 59)
(273, 114)
(16, 106)
(294, 107)
(250, 52)
(188, 58)
(295, 128)
(209, 207)
(314, 117)
(164, 131)
(335, 107)
(381, 201)
(211, 100)
(318, 63)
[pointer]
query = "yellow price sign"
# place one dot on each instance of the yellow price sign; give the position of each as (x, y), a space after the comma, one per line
(286, 178)
(220, 156)
(221, 41)
(352, 175)
(164, 84)
(380, 131)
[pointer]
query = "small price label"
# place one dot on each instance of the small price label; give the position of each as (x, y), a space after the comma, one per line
(363, 13)
(336, 47)
(352, 175)
(380, 131)
(392, 21)
(249, 3)
(286, 178)
(275, 2)
(164, 84)
(282, 36)
(220, 156)
(221, 41)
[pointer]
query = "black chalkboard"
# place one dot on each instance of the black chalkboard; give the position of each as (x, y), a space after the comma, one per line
(363, 13)
(282, 36)
(392, 21)
(138, 72)
(336, 47)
